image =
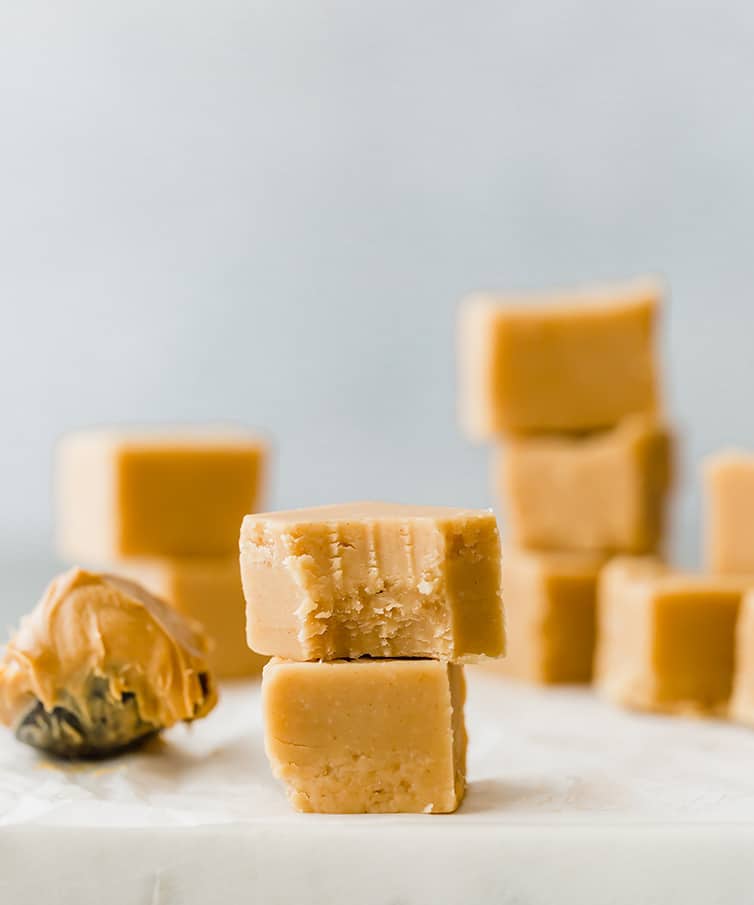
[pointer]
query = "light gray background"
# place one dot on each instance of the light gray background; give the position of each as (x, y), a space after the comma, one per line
(266, 210)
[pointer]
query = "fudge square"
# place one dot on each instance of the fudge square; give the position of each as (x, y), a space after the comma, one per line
(595, 492)
(208, 589)
(666, 640)
(729, 493)
(370, 736)
(742, 699)
(163, 493)
(550, 612)
(373, 579)
(572, 361)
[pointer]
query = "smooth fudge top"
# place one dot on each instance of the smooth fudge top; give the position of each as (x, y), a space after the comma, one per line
(365, 510)
(199, 436)
(373, 579)
(596, 301)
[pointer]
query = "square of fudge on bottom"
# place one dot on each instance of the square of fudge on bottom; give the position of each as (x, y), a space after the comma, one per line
(595, 492)
(367, 736)
(550, 614)
(666, 640)
(729, 505)
(742, 697)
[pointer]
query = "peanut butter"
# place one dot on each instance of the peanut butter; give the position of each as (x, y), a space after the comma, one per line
(99, 663)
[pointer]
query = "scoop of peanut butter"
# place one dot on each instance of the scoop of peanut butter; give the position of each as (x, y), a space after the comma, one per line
(101, 664)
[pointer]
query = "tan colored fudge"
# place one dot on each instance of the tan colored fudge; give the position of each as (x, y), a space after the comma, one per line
(596, 492)
(208, 589)
(566, 361)
(729, 491)
(742, 699)
(666, 640)
(550, 614)
(136, 493)
(373, 579)
(372, 736)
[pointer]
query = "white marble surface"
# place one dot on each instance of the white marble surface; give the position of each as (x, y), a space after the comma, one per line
(569, 801)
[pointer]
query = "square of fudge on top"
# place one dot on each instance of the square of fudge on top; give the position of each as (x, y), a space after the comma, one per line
(569, 360)
(373, 579)
(162, 491)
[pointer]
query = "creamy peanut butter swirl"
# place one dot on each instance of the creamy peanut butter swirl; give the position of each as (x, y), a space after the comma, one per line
(105, 660)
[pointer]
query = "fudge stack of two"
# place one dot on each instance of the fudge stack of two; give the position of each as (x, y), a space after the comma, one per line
(568, 386)
(369, 611)
(163, 508)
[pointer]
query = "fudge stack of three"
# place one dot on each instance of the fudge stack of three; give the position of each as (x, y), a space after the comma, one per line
(566, 385)
(584, 474)
(369, 611)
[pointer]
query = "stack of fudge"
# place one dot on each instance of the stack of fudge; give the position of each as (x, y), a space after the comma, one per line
(368, 611)
(163, 508)
(567, 386)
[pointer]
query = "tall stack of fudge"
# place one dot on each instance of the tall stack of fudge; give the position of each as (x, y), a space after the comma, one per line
(567, 386)
(163, 508)
(369, 611)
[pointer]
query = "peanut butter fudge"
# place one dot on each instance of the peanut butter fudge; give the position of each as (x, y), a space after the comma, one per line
(595, 492)
(550, 614)
(742, 699)
(208, 589)
(100, 664)
(371, 736)
(729, 491)
(572, 361)
(373, 579)
(138, 493)
(666, 640)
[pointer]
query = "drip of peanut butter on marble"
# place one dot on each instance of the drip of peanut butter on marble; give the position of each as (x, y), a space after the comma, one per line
(100, 663)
